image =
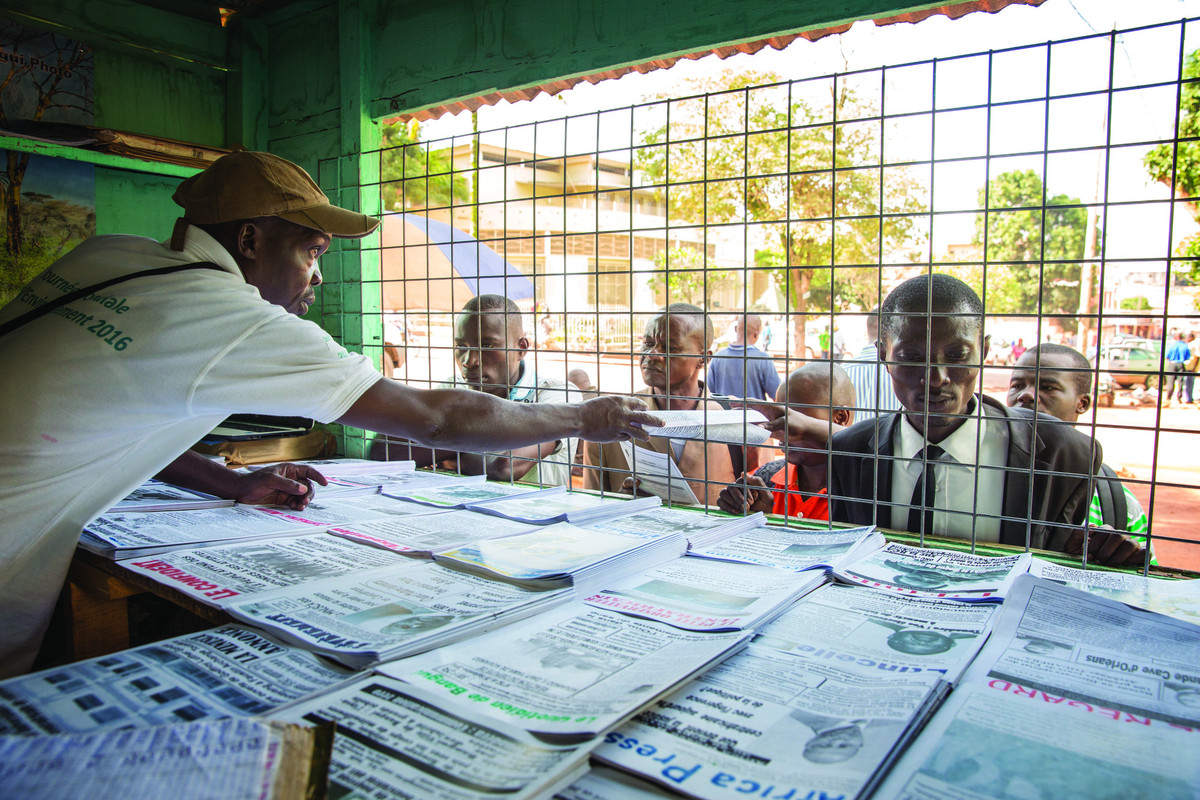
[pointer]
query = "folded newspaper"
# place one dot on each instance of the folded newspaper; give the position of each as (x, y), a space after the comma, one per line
(1175, 598)
(1074, 695)
(573, 672)
(732, 426)
(358, 620)
(697, 527)
(795, 548)
(791, 725)
(461, 495)
(233, 759)
(135, 534)
(216, 575)
(703, 595)
(563, 555)
(158, 496)
(423, 536)
(928, 572)
(658, 474)
(575, 507)
(222, 672)
(884, 631)
(394, 740)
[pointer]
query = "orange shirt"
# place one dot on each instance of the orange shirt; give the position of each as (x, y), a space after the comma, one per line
(785, 486)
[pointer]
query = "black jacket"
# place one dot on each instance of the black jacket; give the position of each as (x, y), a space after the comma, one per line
(1046, 488)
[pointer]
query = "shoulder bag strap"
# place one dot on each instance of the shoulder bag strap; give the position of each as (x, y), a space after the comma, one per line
(50, 305)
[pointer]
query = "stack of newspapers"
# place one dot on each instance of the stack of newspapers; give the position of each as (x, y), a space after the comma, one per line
(392, 612)
(698, 528)
(158, 496)
(930, 573)
(466, 655)
(795, 549)
(706, 595)
(563, 555)
(136, 534)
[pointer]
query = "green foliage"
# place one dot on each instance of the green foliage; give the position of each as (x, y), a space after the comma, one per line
(752, 151)
(413, 176)
(681, 274)
(1135, 304)
(51, 228)
(1032, 252)
(1181, 159)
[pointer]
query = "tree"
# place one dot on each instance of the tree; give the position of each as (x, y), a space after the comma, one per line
(809, 185)
(1177, 164)
(1033, 248)
(1135, 304)
(682, 275)
(415, 177)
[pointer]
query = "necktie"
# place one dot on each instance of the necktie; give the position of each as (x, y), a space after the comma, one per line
(921, 521)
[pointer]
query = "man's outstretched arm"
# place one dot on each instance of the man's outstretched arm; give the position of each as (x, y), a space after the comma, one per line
(461, 419)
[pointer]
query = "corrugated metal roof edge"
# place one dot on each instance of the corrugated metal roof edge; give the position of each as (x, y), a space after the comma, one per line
(954, 11)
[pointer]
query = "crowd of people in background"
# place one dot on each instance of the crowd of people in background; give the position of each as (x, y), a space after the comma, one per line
(896, 434)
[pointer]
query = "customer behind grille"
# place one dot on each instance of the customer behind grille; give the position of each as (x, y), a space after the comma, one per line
(795, 485)
(675, 347)
(489, 353)
(1057, 380)
(959, 464)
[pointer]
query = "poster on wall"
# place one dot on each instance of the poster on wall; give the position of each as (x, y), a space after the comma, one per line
(48, 203)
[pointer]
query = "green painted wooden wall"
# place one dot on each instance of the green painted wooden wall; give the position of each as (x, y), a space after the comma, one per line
(310, 79)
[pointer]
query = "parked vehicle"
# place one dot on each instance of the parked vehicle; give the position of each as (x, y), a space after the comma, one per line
(1132, 362)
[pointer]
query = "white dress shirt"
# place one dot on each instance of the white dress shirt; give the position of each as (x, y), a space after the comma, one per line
(962, 493)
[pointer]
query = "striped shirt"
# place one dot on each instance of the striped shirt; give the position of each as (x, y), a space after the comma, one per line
(868, 376)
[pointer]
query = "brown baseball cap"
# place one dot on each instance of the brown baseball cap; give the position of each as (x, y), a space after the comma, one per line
(249, 184)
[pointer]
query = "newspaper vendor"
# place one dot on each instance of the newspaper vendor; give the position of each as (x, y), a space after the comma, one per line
(111, 386)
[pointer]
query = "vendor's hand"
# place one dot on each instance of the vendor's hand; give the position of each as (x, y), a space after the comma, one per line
(1107, 546)
(614, 419)
(748, 495)
(288, 485)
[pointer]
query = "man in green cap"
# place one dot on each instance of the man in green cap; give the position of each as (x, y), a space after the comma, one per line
(127, 351)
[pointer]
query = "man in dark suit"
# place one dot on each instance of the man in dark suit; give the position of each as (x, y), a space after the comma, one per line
(955, 463)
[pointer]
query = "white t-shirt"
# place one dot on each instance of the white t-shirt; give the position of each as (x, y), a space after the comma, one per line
(106, 391)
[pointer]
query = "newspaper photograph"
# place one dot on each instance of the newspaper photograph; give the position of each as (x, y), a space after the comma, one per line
(141, 533)
(573, 672)
(389, 613)
(929, 572)
(230, 759)
(795, 548)
(882, 631)
(732, 426)
(437, 532)
(702, 595)
(802, 726)
(658, 474)
(989, 742)
(1065, 645)
(1175, 598)
(225, 671)
(215, 575)
(395, 740)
